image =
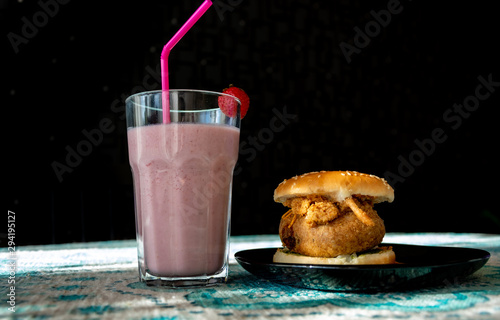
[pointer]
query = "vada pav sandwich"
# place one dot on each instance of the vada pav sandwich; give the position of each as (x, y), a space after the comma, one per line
(331, 219)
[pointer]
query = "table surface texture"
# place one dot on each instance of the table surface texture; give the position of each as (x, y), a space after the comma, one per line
(100, 280)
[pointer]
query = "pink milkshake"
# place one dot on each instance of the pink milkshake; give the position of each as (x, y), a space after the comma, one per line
(182, 182)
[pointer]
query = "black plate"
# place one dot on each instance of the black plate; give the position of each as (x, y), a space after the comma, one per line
(418, 266)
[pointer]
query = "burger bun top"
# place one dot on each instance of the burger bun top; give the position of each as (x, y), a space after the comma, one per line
(334, 185)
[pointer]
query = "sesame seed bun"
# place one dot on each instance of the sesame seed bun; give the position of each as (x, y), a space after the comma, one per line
(335, 185)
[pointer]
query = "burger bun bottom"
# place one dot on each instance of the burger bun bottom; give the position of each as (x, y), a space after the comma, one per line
(378, 255)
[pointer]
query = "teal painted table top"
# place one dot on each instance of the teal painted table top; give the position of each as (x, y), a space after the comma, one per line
(100, 281)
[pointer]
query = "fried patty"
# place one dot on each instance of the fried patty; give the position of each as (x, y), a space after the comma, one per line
(318, 227)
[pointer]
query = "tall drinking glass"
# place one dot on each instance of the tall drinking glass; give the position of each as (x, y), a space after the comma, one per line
(182, 173)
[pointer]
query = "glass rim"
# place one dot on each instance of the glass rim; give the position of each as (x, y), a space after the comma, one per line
(208, 92)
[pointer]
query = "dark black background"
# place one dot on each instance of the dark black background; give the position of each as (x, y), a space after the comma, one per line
(74, 71)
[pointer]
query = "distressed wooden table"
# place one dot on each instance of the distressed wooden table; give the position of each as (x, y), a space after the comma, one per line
(100, 281)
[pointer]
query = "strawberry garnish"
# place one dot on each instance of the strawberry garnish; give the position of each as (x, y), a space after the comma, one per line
(228, 105)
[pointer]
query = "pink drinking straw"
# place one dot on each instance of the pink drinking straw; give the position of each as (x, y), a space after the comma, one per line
(166, 51)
